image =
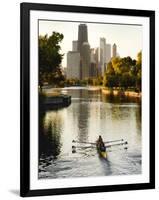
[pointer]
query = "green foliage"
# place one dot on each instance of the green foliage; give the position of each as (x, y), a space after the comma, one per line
(50, 59)
(74, 82)
(111, 80)
(89, 81)
(126, 80)
(110, 69)
(124, 73)
(138, 66)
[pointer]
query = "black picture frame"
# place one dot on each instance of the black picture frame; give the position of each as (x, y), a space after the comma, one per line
(25, 9)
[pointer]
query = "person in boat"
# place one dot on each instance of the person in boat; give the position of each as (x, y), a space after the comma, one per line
(101, 144)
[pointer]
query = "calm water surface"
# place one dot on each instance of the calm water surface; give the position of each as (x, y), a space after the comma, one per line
(91, 113)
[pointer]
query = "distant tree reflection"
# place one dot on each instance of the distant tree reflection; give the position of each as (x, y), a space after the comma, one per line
(49, 137)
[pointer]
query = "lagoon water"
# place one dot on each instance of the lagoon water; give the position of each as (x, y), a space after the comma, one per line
(90, 114)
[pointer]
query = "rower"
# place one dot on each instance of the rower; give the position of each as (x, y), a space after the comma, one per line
(100, 143)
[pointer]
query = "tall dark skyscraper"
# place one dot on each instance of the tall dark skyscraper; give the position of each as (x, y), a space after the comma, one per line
(84, 49)
(82, 36)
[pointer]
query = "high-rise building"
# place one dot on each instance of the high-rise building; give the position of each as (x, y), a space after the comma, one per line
(93, 64)
(84, 49)
(82, 35)
(85, 60)
(92, 55)
(75, 45)
(102, 54)
(73, 64)
(108, 53)
(114, 50)
(97, 62)
(93, 70)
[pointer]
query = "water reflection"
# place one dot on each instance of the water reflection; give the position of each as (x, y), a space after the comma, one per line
(120, 99)
(49, 135)
(89, 115)
(82, 112)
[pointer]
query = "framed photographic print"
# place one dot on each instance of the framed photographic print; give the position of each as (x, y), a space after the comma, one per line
(87, 99)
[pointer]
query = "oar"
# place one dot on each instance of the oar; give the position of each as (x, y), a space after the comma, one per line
(125, 148)
(114, 141)
(107, 146)
(73, 147)
(75, 141)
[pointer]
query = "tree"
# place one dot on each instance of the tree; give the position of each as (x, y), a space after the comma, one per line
(138, 66)
(116, 63)
(139, 59)
(124, 73)
(110, 69)
(125, 81)
(50, 59)
(111, 80)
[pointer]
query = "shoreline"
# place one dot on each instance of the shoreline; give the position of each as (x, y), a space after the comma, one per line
(106, 91)
(121, 93)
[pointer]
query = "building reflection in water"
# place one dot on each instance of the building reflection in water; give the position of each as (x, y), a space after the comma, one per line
(89, 115)
(83, 116)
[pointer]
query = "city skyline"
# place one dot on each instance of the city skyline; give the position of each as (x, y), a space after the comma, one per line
(113, 33)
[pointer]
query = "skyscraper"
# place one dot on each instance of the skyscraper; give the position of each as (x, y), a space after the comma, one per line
(114, 50)
(85, 60)
(82, 35)
(84, 49)
(93, 64)
(108, 53)
(97, 61)
(73, 64)
(102, 54)
(75, 45)
(92, 55)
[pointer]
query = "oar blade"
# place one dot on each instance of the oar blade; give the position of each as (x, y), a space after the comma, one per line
(82, 142)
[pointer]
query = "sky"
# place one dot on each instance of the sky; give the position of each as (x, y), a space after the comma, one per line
(128, 38)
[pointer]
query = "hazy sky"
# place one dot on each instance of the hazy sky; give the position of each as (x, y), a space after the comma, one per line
(128, 38)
